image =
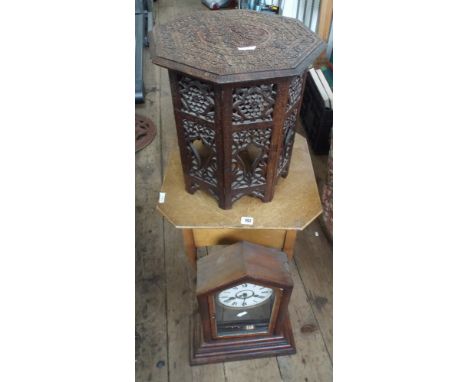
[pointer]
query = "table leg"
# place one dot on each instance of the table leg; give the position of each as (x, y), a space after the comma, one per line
(189, 246)
(289, 242)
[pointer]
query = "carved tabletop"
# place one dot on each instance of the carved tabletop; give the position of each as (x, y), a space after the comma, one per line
(235, 45)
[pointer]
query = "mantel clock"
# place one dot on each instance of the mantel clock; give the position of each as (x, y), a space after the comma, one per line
(243, 293)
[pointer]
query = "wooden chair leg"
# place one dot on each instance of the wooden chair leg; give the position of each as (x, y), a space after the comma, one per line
(189, 246)
(289, 242)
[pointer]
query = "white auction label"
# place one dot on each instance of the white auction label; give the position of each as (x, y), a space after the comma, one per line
(248, 220)
(247, 48)
(162, 197)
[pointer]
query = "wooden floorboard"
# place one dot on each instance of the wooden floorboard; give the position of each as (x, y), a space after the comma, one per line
(313, 257)
(165, 282)
(312, 361)
(258, 370)
(150, 286)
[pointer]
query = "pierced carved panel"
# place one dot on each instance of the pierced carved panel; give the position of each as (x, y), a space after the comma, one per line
(200, 141)
(253, 104)
(295, 91)
(289, 129)
(213, 193)
(197, 98)
(236, 195)
(250, 149)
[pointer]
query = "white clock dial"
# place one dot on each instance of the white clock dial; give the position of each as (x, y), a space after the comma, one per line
(244, 296)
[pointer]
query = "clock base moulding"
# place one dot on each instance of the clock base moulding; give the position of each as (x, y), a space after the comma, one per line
(235, 349)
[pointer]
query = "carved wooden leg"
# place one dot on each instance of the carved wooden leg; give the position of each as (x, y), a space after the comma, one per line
(189, 186)
(190, 189)
(289, 242)
(227, 205)
(189, 246)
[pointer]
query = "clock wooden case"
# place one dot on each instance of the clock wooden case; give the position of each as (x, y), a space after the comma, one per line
(243, 293)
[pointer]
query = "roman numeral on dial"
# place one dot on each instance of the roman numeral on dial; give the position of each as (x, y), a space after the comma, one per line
(245, 295)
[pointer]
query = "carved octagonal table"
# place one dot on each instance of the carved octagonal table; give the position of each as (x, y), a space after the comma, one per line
(237, 81)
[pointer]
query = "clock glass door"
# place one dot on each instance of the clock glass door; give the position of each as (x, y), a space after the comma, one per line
(243, 310)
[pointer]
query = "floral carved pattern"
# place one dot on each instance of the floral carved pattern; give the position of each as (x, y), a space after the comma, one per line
(289, 129)
(253, 104)
(197, 98)
(202, 165)
(209, 42)
(250, 174)
(295, 91)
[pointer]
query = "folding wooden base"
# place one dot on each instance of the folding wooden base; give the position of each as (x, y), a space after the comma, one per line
(235, 349)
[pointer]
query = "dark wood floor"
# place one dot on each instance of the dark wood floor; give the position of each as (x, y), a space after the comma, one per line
(165, 282)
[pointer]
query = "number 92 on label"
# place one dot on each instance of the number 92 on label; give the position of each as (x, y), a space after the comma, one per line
(247, 220)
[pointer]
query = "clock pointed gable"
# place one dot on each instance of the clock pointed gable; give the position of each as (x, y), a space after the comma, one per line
(242, 261)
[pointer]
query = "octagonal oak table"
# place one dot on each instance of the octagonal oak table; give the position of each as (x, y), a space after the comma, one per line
(275, 224)
(237, 79)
